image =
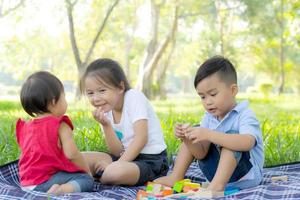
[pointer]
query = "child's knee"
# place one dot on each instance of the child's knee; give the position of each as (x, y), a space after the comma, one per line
(202, 153)
(112, 174)
(237, 155)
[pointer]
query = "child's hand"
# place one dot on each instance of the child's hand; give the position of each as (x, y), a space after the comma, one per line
(180, 130)
(196, 134)
(99, 116)
(101, 165)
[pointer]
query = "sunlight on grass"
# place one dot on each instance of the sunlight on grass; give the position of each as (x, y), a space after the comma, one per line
(279, 119)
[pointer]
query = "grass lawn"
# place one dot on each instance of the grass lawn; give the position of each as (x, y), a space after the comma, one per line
(279, 119)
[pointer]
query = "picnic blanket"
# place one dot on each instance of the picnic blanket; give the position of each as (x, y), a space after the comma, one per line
(10, 186)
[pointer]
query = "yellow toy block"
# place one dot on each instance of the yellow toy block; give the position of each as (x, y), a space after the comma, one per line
(193, 185)
(185, 181)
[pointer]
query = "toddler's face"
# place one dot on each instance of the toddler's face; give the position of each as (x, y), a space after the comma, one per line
(217, 97)
(102, 95)
(60, 107)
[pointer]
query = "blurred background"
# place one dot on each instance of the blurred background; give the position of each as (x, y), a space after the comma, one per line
(159, 43)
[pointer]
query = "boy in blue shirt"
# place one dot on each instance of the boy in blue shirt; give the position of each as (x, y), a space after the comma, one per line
(228, 144)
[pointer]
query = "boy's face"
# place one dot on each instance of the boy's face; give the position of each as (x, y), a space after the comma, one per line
(217, 97)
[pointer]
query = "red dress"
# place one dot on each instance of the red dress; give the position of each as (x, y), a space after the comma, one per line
(41, 157)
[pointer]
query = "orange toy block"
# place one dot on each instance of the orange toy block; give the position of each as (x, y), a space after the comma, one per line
(186, 188)
(140, 194)
(167, 192)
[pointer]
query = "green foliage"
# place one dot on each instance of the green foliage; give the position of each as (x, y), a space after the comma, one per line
(266, 89)
(279, 122)
(249, 32)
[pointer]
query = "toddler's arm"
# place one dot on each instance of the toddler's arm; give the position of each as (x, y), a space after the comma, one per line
(140, 139)
(69, 147)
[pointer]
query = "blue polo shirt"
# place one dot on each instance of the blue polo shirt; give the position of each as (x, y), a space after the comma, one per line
(240, 120)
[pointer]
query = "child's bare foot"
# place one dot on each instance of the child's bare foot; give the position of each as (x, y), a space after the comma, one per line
(167, 180)
(53, 189)
(61, 189)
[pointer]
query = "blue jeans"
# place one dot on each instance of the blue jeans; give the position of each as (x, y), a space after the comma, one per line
(209, 164)
(82, 182)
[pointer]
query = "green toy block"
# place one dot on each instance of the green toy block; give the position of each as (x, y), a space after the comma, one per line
(149, 188)
(178, 187)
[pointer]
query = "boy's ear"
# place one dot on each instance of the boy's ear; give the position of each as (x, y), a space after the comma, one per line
(234, 89)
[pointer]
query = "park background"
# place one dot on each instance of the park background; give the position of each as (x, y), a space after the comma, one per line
(160, 44)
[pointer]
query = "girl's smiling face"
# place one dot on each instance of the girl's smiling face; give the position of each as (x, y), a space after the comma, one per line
(104, 95)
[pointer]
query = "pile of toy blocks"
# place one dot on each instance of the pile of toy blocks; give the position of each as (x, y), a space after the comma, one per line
(157, 191)
(181, 190)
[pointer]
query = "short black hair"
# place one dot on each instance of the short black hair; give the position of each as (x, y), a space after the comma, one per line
(107, 70)
(38, 91)
(217, 64)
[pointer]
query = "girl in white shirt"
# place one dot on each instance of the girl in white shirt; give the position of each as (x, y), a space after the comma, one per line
(137, 151)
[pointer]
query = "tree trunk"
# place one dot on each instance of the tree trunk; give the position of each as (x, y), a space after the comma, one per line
(129, 44)
(153, 63)
(221, 26)
(81, 65)
(162, 73)
(155, 12)
(4, 12)
(281, 51)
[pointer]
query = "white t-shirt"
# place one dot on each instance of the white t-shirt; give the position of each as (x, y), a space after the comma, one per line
(136, 107)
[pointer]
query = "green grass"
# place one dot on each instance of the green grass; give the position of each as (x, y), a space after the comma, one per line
(279, 119)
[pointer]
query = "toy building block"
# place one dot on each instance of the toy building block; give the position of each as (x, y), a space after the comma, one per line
(151, 198)
(156, 188)
(186, 189)
(185, 181)
(193, 185)
(141, 194)
(205, 184)
(185, 126)
(167, 192)
(180, 195)
(178, 186)
(279, 178)
(149, 187)
(231, 191)
(202, 193)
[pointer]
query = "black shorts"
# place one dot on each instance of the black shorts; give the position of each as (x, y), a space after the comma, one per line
(151, 166)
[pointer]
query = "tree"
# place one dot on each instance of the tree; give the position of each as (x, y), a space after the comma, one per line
(269, 20)
(153, 54)
(82, 63)
(6, 7)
